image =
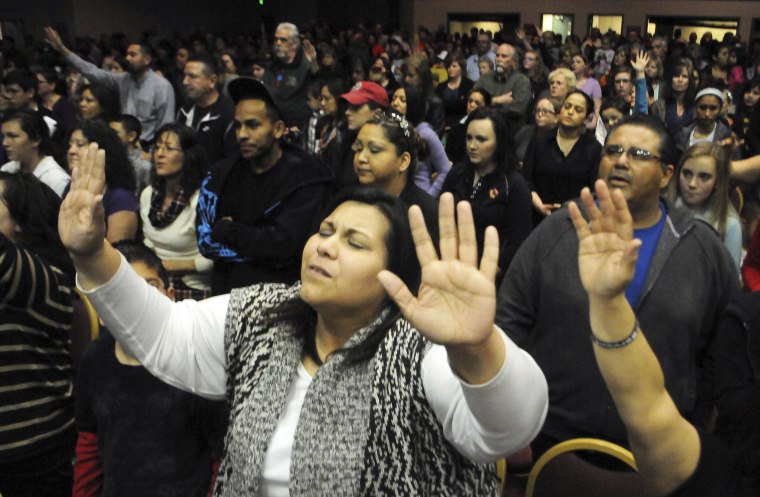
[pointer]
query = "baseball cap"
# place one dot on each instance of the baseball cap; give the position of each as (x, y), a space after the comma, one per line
(248, 88)
(364, 92)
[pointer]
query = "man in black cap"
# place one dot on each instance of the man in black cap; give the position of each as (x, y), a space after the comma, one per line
(256, 209)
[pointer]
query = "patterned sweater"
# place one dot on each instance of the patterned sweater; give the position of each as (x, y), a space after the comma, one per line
(366, 429)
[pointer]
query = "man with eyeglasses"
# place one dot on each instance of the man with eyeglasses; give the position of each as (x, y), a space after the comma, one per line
(706, 127)
(683, 279)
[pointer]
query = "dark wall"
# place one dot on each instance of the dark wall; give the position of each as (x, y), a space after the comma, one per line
(95, 17)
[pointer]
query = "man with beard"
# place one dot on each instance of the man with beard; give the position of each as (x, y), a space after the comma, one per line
(683, 280)
(256, 209)
(290, 73)
(143, 93)
(510, 89)
(381, 73)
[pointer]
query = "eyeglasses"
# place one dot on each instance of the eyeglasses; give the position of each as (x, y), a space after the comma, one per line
(540, 112)
(165, 146)
(633, 153)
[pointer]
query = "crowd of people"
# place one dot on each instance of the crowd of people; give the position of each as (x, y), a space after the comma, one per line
(292, 343)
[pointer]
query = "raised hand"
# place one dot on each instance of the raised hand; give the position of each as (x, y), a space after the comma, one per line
(607, 252)
(81, 221)
(309, 51)
(456, 301)
(54, 40)
(639, 63)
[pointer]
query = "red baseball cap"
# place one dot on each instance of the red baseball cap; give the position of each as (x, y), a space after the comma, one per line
(366, 91)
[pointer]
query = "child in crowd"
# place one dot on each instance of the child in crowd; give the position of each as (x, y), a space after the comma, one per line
(128, 128)
(701, 184)
(137, 434)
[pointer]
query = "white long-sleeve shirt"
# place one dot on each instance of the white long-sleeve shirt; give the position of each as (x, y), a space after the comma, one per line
(182, 343)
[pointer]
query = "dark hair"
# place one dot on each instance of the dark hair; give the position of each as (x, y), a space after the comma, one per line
(122, 61)
(666, 149)
(415, 104)
(194, 161)
(137, 252)
(620, 69)
(34, 207)
(616, 102)
(741, 107)
(34, 126)
(314, 89)
(235, 59)
(400, 132)
(667, 84)
(22, 77)
(51, 76)
(486, 95)
(130, 123)
(336, 87)
(586, 97)
(108, 99)
(504, 155)
(210, 66)
(119, 171)
(387, 65)
(146, 49)
(401, 261)
(459, 59)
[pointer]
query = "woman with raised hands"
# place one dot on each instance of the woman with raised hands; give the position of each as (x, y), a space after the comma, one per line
(355, 371)
(672, 456)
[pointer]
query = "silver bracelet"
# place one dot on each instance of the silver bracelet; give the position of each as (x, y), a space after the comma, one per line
(619, 344)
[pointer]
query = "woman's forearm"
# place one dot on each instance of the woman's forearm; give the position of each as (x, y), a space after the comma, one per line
(488, 421)
(98, 267)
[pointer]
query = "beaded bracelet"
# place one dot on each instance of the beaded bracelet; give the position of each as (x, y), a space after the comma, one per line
(619, 344)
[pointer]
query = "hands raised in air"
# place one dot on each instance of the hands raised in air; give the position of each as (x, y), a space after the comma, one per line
(81, 221)
(607, 251)
(456, 302)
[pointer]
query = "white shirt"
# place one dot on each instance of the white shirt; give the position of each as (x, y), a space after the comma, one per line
(182, 343)
(178, 240)
(48, 171)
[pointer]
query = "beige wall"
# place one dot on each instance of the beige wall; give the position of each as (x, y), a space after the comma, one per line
(432, 13)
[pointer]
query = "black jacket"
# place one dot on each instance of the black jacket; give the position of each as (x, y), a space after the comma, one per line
(272, 214)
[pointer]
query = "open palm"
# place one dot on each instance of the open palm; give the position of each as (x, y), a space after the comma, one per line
(607, 252)
(456, 302)
(81, 219)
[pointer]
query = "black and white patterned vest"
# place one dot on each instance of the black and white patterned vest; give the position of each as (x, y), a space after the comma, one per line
(365, 429)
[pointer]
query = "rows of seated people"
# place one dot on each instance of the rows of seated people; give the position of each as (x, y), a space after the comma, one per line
(221, 155)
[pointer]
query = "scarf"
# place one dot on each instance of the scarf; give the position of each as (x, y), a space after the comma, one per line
(161, 218)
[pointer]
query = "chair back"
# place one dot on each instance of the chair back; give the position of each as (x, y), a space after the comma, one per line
(561, 473)
(84, 326)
